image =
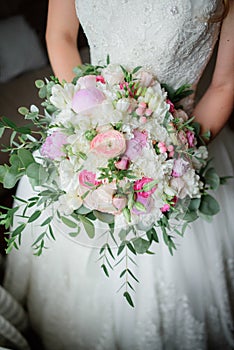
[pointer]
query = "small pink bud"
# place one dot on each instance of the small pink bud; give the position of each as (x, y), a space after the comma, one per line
(165, 208)
(100, 78)
(143, 120)
(171, 154)
(170, 148)
(148, 112)
(163, 149)
(122, 164)
(161, 144)
(142, 105)
(119, 202)
(140, 111)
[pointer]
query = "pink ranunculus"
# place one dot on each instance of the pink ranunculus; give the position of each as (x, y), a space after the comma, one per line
(136, 144)
(122, 163)
(190, 138)
(180, 167)
(109, 144)
(86, 99)
(88, 179)
(146, 201)
(87, 82)
(119, 202)
(139, 184)
(53, 146)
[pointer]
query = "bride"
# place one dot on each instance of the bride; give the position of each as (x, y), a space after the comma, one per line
(184, 301)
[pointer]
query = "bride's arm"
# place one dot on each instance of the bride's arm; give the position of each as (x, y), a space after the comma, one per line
(61, 38)
(217, 103)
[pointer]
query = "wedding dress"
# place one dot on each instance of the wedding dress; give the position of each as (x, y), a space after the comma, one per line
(181, 302)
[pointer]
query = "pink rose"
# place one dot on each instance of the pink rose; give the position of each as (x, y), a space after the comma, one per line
(87, 82)
(190, 138)
(88, 179)
(122, 164)
(100, 78)
(109, 144)
(180, 167)
(136, 144)
(53, 146)
(147, 202)
(139, 184)
(86, 99)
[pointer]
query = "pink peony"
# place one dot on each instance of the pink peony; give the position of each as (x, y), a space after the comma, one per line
(53, 146)
(87, 82)
(136, 144)
(109, 144)
(86, 99)
(139, 184)
(88, 179)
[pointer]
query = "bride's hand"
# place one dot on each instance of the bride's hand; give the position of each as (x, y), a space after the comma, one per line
(216, 106)
(61, 38)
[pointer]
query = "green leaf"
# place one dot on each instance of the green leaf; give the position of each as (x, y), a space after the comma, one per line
(194, 204)
(25, 157)
(128, 298)
(135, 70)
(75, 234)
(209, 205)
(141, 245)
(139, 206)
(88, 226)
(83, 210)
(3, 171)
(10, 178)
(37, 174)
(104, 217)
(212, 178)
(68, 222)
(1, 131)
(149, 186)
(39, 83)
(34, 216)
(23, 110)
(105, 270)
(190, 215)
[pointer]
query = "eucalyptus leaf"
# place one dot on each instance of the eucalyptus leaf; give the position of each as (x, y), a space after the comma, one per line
(25, 157)
(88, 226)
(141, 245)
(68, 222)
(34, 216)
(209, 205)
(104, 217)
(194, 204)
(212, 178)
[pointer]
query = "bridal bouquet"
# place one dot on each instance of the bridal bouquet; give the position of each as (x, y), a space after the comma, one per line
(113, 147)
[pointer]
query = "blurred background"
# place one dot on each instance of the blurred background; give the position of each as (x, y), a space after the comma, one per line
(23, 60)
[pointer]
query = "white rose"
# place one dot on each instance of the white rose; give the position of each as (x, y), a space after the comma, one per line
(69, 202)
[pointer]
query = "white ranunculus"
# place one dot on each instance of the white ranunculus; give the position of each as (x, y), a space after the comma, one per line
(67, 176)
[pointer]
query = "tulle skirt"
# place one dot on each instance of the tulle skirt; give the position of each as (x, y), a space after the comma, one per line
(183, 301)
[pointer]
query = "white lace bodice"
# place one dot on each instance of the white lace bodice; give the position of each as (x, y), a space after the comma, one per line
(171, 37)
